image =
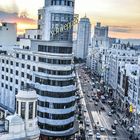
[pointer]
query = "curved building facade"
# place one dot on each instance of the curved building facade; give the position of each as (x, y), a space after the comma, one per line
(55, 79)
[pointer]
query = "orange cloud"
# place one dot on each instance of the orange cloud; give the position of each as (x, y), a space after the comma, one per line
(23, 22)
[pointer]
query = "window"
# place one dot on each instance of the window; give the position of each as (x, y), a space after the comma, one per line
(16, 81)
(23, 65)
(7, 62)
(11, 71)
(6, 78)
(28, 66)
(38, 27)
(35, 108)
(23, 56)
(10, 88)
(17, 64)
(22, 74)
(6, 69)
(16, 72)
(2, 60)
(30, 110)
(39, 16)
(2, 68)
(6, 86)
(22, 83)
(2, 85)
(11, 79)
(34, 58)
(29, 57)
(17, 107)
(17, 55)
(33, 68)
(11, 62)
(2, 76)
(16, 91)
(23, 105)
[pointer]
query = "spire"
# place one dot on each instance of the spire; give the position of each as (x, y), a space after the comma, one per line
(85, 16)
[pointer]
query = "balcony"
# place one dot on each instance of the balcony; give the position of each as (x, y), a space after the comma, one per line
(55, 88)
(56, 122)
(68, 132)
(55, 55)
(57, 111)
(55, 77)
(56, 100)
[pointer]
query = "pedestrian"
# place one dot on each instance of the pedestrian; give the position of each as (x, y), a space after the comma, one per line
(99, 111)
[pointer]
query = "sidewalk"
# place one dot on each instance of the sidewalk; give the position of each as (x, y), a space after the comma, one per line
(86, 114)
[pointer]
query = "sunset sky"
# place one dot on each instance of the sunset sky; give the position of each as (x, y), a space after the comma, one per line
(122, 16)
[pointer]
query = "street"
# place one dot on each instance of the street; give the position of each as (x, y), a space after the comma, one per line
(99, 118)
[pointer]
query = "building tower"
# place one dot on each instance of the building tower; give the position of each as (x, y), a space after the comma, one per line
(55, 83)
(100, 38)
(26, 108)
(83, 37)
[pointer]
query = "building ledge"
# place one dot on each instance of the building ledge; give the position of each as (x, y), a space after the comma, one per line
(63, 134)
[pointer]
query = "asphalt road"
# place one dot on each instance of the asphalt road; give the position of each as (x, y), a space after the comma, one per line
(101, 117)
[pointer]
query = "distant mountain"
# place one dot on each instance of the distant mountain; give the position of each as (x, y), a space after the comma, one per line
(131, 41)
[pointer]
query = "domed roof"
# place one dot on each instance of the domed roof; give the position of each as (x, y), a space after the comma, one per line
(14, 119)
(27, 94)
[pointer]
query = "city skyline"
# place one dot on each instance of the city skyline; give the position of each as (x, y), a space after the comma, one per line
(121, 16)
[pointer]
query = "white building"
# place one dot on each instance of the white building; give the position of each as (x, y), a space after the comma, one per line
(100, 44)
(8, 34)
(100, 38)
(83, 38)
(118, 53)
(23, 124)
(30, 34)
(133, 88)
(47, 67)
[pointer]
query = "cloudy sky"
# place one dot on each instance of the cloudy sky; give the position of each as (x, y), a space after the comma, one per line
(123, 16)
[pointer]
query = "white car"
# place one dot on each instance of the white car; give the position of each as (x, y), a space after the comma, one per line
(109, 114)
(90, 133)
(113, 131)
(96, 104)
(98, 136)
(102, 129)
(87, 123)
(90, 100)
(115, 122)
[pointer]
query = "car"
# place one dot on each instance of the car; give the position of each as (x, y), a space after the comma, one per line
(102, 129)
(90, 100)
(96, 103)
(87, 123)
(88, 95)
(98, 136)
(115, 122)
(102, 108)
(113, 111)
(90, 133)
(93, 97)
(113, 131)
(97, 99)
(109, 114)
